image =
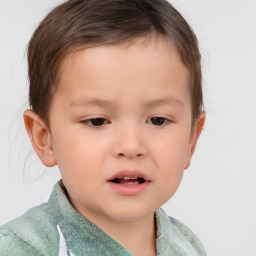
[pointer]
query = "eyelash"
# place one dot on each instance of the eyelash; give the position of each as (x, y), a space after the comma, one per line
(86, 122)
(89, 121)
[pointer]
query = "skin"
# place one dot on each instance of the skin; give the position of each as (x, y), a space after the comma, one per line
(140, 81)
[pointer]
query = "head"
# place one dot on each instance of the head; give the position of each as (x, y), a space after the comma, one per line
(77, 25)
(115, 85)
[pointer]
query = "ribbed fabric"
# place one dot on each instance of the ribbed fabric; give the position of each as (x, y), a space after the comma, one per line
(36, 233)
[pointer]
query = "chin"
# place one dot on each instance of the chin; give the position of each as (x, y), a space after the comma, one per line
(125, 214)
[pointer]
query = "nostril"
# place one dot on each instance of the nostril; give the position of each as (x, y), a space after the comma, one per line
(129, 152)
(128, 155)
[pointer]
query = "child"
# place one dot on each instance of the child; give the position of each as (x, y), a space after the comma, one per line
(116, 103)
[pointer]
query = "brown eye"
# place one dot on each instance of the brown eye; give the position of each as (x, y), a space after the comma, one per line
(95, 121)
(158, 120)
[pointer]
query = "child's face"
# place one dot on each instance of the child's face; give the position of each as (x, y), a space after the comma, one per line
(139, 99)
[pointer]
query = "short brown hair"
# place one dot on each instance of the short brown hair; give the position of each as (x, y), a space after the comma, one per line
(88, 23)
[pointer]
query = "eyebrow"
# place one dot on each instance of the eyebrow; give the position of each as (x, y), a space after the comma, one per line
(90, 102)
(105, 102)
(163, 101)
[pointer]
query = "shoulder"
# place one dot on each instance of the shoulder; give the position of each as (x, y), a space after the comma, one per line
(34, 233)
(177, 236)
(12, 245)
(183, 231)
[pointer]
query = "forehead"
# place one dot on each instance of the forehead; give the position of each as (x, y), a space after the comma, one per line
(150, 66)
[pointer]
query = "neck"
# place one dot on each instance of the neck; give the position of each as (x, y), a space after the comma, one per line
(138, 237)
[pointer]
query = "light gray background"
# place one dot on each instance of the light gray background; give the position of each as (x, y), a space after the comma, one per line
(217, 198)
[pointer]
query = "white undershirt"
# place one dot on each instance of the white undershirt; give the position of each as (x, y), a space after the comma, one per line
(63, 250)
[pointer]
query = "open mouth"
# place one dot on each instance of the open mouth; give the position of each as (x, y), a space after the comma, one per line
(128, 180)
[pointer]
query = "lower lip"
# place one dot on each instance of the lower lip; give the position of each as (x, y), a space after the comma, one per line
(129, 189)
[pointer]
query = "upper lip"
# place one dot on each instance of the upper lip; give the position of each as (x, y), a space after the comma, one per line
(130, 174)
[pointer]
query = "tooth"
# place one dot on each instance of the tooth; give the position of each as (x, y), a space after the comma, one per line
(130, 178)
(130, 183)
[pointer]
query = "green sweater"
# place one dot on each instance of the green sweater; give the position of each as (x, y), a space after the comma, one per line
(56, 228)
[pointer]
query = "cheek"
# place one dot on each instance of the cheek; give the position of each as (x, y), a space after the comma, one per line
(76, 151)
(169, 156)
(80, 163)
(171, 151)
(170, 169)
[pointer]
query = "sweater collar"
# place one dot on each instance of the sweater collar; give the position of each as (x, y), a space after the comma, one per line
(81, 235)
(79, 231)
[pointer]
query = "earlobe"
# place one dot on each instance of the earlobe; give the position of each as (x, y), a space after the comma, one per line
(194, 137)
(40, 138)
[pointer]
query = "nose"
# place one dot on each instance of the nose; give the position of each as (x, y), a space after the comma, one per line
(128, 143)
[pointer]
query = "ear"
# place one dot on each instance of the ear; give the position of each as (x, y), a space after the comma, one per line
(195, 133)
(40, 137)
